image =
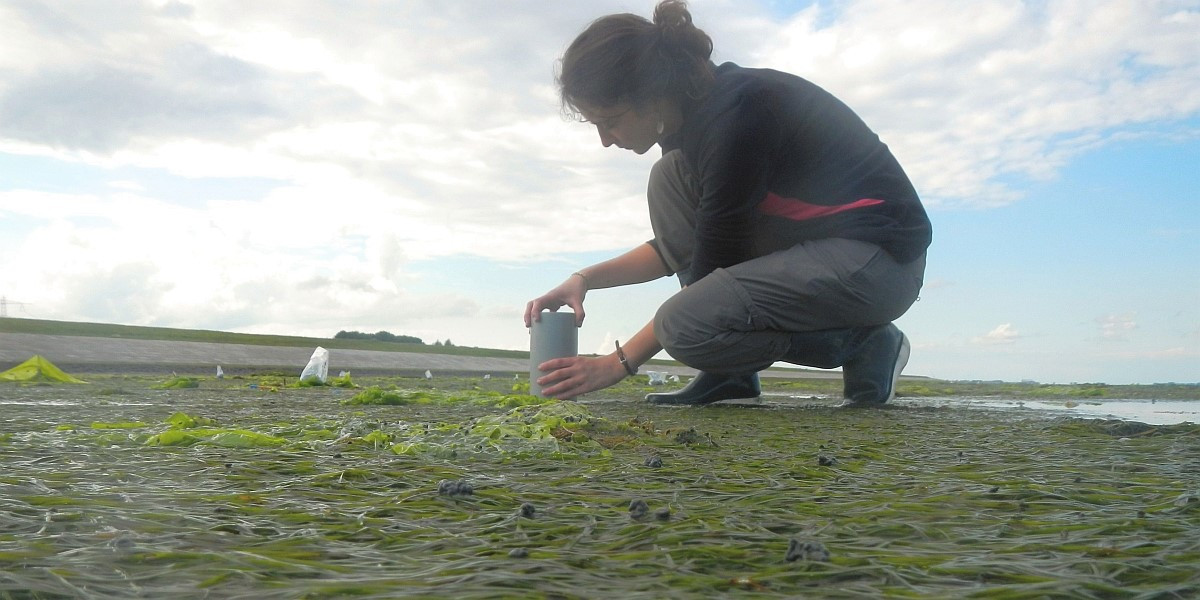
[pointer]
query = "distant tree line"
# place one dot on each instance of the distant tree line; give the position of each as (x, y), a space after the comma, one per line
(382, 336)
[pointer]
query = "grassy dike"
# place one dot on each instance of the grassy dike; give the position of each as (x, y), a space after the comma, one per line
(130, 332)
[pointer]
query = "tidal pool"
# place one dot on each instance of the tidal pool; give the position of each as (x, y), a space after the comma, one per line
(118, 489)
(1153, 412)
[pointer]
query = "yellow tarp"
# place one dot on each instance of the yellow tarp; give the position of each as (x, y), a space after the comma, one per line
(37, 369)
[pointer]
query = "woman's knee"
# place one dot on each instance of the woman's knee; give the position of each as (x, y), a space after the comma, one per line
(695, 325)
(679, 329)
(706, 341)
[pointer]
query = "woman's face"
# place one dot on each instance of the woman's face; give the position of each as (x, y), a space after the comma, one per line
(624, 125)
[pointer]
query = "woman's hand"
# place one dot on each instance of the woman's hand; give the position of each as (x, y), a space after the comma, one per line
(568, 377)
(568, 293)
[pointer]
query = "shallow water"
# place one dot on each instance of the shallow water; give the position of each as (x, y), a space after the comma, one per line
(1151, 412)
(1164, 412)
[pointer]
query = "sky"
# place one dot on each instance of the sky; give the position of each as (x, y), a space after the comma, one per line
(310, 166)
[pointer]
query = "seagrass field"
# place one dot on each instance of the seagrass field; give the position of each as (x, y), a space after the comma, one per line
(466, 488)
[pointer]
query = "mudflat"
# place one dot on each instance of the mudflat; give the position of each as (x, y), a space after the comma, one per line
(152, 486)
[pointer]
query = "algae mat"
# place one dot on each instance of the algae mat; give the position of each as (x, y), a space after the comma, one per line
(464, 489)
(37, 369)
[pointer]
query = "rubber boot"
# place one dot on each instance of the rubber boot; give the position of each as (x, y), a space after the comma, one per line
(869, 377)
(871, 359)
(707, 388)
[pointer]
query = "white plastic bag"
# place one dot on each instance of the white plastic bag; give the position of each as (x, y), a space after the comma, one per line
(657, 377)
(318, 366)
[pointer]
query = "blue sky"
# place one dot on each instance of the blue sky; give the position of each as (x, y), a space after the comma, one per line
(308, 167)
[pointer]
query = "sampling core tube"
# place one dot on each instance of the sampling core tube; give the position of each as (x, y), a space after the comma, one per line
(553, 336)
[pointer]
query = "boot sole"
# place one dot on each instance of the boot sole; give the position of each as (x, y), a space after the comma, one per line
(901, 362)
(669, 401)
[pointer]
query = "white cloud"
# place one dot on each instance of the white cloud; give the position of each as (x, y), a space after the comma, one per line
(1002, 334)
(1116, 326)
(969, 93)
(128, 186)
(444, 116)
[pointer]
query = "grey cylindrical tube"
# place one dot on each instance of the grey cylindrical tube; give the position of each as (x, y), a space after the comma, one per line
(553, 336)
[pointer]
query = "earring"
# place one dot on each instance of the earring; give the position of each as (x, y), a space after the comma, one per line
(660, 126)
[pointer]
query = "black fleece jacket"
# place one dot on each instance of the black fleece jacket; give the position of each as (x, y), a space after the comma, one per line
(781, 161)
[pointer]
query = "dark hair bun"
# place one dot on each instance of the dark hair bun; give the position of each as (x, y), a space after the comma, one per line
(680, 35)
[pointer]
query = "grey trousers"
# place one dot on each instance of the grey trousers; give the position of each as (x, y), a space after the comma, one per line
(742, 318)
